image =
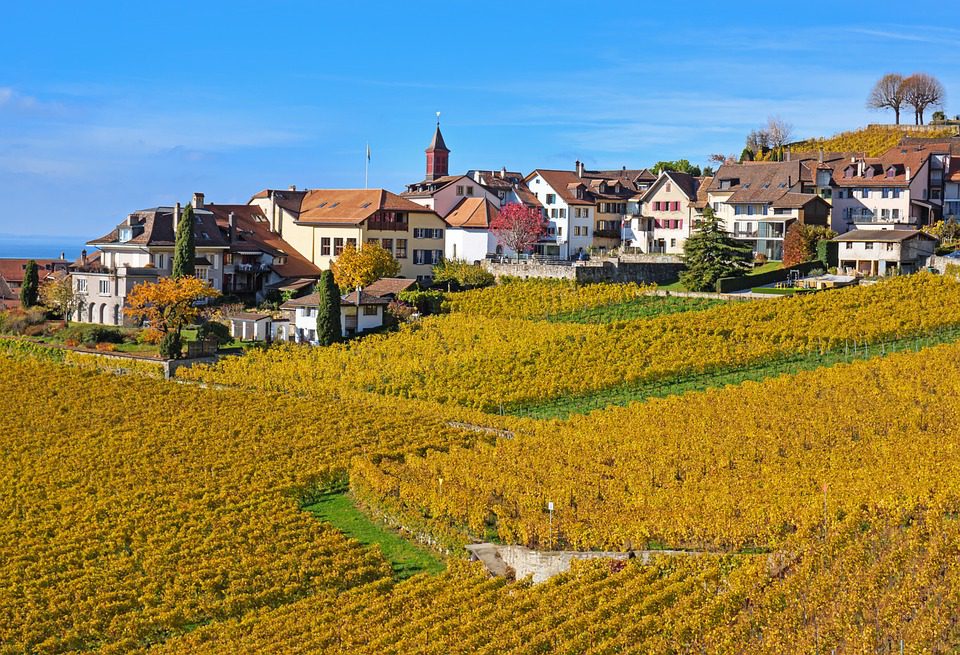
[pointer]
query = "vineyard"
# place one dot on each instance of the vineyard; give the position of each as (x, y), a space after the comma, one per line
(723, 470)
(873, 141)
(818, 511)
(442, 358)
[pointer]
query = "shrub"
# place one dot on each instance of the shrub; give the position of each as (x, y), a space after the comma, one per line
(759, 259)
(426, 302)
(401, 311)
(214, 330)
(170, 346)
(459, 274)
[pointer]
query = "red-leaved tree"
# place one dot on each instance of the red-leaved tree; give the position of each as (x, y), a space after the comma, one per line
(518, 227)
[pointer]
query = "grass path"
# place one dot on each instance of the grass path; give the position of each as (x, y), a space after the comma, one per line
(406, 558)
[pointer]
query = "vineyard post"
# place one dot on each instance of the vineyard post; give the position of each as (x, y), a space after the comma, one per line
(550, 509)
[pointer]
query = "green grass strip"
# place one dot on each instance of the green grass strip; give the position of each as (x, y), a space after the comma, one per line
(645, 307)
(562, 408)
(406, 559)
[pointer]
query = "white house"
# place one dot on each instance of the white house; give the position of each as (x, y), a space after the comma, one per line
(250, 326)
(468, 231)
(356, 316)
(568, 210)
(140, 249)
(879, 252)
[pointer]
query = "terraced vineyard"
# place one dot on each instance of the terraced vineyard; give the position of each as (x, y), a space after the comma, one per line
(144, 516)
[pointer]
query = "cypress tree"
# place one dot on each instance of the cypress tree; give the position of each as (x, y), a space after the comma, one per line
(710, 254)
(30, 289)
(184, 250)
(328, 316)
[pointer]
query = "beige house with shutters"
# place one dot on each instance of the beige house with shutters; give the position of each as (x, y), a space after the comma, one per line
(319, 223)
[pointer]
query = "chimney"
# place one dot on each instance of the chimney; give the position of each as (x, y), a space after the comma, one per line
(821, 155)
(503, 172)
(908, 174)
(232, 227)
(579, 165)
(176, 216)
(83, 257)
(359, 291)
(198, 200)
(478, 177)
(293, 187)
(63, 255)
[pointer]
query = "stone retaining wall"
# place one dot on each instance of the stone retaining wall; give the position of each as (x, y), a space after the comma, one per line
(638, 268)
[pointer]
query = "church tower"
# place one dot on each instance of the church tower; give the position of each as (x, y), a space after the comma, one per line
(437, 155)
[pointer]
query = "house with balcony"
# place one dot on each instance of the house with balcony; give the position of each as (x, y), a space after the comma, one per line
(758, 201)
(667, 213)
(258, 259)
(140, 249)
(568, 209)
(878, 252)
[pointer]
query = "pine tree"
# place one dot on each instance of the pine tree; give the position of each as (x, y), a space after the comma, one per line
(710, 253)
(185, 250)
(328, 315)
(30, 289)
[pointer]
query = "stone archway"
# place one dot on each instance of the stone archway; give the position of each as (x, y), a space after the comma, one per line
(90, 308)
(102, 314)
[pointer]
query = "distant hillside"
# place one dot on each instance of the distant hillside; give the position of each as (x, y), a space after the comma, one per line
(871, 140)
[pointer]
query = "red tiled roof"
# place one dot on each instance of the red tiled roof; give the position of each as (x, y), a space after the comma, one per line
(351, 206)
(12, 269)
(253, 229)
(472, 212)
(389, 286)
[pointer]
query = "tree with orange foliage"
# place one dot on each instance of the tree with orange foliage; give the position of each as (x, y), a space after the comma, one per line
(358, 268)
(169, 304)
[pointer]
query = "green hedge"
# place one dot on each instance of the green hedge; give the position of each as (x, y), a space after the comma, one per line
(731, 284)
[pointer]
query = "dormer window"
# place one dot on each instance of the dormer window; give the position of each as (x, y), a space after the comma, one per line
(126, 233)
(848, 171)
(892, 171)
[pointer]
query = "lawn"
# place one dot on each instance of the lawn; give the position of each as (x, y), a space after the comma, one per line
(645, 307)
(766, 268)
(406, 558)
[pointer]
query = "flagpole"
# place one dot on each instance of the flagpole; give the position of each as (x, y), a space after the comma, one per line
(366, 167)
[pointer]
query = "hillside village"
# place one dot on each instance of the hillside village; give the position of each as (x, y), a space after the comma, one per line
(879, 211)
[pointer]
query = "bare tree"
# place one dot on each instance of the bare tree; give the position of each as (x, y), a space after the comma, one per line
(779, 130)
(920, 91)
(758, 141)
(888, 93)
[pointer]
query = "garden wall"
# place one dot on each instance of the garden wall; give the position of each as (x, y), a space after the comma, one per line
(641, 268)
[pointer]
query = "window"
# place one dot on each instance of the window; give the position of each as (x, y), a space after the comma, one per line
(885, 214)
(848, 245)
(864, 192)
(563, 213)
(935, 193)
(890, 245)
(401, 252)
(369, 310)
(673, 243)
(895, 214)
(469, 190)
(427, 256)
(352, 242)
(387, 245)
(459, 189)
(325, 246)
(81, 285)
(885, 192)
(553, 213)
(104, 287)
(896, 193)
(551, 198)
(559, 231)
(868, 245)
(373, 242)
(337, 246)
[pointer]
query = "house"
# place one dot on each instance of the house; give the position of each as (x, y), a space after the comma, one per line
(568, 209)
(758, 201)
(667, 212)
(468, 231)
(319, 223)
(140, 249)
(359, 312)
(12, 271)
(875, 252)
(251, 326)
(258, 259)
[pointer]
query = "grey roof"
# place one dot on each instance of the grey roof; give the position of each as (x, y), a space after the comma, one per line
(882, 235)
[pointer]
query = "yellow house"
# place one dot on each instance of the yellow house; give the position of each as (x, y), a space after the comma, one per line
(319, 223)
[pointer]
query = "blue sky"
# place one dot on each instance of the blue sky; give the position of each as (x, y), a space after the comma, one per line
(128, 105)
